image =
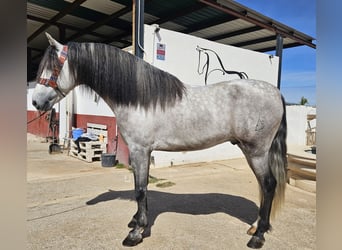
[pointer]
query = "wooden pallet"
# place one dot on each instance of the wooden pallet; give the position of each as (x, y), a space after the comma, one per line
(99, 130)
(92, 150)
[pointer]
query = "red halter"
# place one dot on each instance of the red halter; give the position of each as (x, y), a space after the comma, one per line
(52, 82)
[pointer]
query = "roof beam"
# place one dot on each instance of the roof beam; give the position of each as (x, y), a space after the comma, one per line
(183, 12)
(165, 18)
(54, 19)
(103, 21)
(254, 41)
(250, 19)
(285, 46)
(208, 23)
(62, 25)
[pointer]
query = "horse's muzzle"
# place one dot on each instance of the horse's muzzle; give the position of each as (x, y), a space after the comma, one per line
(41, 107)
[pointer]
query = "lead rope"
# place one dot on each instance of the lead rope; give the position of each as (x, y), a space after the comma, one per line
(36, 117)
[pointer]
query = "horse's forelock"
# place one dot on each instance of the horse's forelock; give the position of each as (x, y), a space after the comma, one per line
(49, 60)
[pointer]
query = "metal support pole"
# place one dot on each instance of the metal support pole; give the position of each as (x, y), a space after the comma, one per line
(138, 27)
(29, 64)
(279, 53)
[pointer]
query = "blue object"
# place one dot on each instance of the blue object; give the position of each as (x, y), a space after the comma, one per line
(77, 132)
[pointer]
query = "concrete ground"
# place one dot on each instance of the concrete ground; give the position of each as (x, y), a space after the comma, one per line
(72, 204)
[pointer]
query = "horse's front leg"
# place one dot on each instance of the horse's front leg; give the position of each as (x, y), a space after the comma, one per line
(140, 161)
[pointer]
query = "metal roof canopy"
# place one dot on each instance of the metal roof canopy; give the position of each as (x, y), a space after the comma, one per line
(110, 21)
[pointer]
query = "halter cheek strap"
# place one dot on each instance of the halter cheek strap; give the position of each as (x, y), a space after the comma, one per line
(52, 82)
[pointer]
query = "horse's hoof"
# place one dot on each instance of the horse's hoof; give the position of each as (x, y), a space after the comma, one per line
(132, 239)
(251, 230)
(256, 242)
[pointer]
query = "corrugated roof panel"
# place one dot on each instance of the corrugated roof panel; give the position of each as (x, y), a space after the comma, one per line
(268, 44)
(172, 26)
(41, 42)
(32, 26)
(75, 21)
(287, 40)
(127, 16)
(155, 7)
(150, 18)
(127, 38)
(198, 16)
(39, 11)
(238, 24)
(259, 46)
(104, 6)
(117, 44)
(147, 17)
(107, 30)
(223, 28)
(88, 38)
(246, 37)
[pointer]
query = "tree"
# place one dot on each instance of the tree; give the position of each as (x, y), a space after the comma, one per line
(303, 101)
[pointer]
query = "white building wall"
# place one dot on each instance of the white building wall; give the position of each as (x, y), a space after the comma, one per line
(90, 103)
(297, 123)
(181, 58)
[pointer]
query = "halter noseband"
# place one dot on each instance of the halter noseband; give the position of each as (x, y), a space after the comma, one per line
(52, 82)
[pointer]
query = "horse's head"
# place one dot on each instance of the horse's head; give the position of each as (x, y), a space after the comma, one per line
(53, 76)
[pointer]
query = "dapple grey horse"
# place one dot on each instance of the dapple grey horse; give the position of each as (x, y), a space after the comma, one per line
(156, 111)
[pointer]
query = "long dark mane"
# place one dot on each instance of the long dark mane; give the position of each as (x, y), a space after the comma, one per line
(124, 78)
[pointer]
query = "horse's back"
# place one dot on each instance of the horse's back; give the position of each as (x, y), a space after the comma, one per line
(247, 107)
(242, 97)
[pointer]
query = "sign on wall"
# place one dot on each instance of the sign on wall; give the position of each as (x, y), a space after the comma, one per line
(161, 51)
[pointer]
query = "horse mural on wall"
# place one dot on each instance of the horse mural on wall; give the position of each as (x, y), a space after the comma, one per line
(156, 111)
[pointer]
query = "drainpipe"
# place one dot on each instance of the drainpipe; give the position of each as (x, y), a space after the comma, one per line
(138, 27)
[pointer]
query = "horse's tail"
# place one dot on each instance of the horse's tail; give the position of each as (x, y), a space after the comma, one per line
(277, 161)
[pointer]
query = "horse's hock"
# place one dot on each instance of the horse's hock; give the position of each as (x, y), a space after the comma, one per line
(91, 150)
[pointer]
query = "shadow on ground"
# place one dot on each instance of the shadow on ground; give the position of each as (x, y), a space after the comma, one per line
(194, 204)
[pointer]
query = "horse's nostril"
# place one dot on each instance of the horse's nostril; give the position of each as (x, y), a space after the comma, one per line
(36, 105)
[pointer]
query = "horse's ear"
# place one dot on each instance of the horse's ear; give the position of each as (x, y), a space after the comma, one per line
(53, 42)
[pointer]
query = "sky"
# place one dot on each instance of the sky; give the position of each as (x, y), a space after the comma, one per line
(298, 76)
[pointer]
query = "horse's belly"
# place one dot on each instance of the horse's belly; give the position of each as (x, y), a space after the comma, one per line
(192, 137)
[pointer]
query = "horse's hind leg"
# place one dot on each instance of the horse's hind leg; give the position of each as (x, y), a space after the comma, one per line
(140, 164)
(267, 184)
